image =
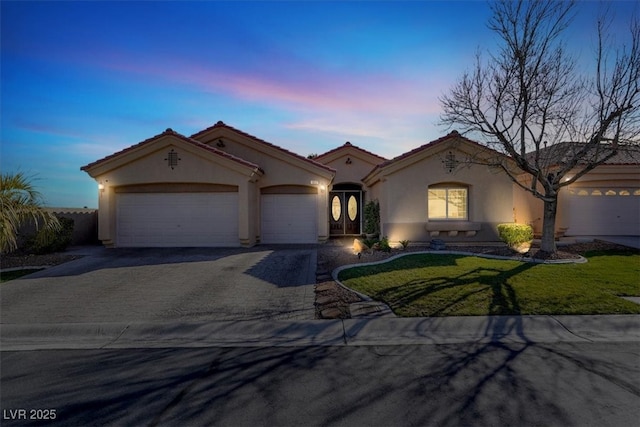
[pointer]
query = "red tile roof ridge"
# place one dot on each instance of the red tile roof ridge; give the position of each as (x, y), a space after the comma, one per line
(221, 124)
(170, 131)
(349, 144)
(453, 134)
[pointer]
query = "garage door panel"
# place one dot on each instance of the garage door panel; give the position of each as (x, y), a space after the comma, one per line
(289, 218)
(177, 219)
(593, 213)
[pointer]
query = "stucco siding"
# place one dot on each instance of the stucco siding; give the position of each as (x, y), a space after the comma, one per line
(405, 197)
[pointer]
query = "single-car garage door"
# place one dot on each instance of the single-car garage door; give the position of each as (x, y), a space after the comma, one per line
(289, 218)
(603, 212)
(177, 219)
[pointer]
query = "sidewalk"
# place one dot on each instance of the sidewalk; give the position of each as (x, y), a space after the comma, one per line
(347, 332)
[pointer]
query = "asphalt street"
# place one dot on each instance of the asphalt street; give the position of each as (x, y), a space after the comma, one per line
(475, 384)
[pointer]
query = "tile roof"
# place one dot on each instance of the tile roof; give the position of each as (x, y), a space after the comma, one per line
(560, 153)
(173, 133)
(429, 145)
(221, 124)
(348, 144)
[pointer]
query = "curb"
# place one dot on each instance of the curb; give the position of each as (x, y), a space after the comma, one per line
(370, 331)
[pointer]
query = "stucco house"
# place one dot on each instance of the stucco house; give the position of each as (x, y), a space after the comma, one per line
(224, 187)
(604, 202)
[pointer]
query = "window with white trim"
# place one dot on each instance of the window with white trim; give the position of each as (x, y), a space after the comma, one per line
(448, 202)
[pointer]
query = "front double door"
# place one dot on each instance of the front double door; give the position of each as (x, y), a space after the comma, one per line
(345, 212)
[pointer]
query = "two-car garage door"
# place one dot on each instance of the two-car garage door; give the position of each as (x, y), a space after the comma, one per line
(603, 211)
(177, 219)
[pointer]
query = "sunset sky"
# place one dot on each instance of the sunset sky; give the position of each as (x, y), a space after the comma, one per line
(81, 80)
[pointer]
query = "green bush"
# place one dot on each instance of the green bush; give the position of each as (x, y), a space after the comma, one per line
(369, 242)
(47, 241)
(384, 244)
(514, 234)
(404, 243)
(372, 217)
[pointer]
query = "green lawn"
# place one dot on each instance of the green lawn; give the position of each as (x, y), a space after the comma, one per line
(459, 285)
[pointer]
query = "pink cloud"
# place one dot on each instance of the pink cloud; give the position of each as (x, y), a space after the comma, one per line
(303, 88)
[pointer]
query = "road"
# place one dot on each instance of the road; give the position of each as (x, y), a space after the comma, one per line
(479, 384)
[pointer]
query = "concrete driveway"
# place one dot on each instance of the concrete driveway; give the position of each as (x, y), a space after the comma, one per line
(131, 285)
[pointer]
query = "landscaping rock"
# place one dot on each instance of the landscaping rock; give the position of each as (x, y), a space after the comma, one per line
(331, 313)
(327, 299)
(359, 246)
(326, 286)
(437, 244)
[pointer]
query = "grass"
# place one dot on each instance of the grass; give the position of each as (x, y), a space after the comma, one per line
(459, 285)
(5, 276)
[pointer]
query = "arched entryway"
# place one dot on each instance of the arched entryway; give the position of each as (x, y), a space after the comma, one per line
(345, 210)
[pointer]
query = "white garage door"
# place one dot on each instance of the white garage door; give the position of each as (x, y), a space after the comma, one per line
(177, 219)
(603, 212)
(289, 218)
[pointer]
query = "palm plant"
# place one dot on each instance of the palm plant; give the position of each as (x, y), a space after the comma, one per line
(20, 202)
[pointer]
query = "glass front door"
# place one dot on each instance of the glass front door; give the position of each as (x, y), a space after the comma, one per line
(345, 212)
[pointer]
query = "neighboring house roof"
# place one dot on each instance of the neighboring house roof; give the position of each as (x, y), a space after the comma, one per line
(560, 153)
(430, 146)
(348, 145)
(171, 132)
(221, 124)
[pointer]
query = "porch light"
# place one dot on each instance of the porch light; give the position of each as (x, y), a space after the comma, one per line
(101, 186)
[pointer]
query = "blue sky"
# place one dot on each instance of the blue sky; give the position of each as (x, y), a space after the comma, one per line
(81, 80)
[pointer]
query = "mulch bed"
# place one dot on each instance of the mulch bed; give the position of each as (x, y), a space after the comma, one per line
(16, 260)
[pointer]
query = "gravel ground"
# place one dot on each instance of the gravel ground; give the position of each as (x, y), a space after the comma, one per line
(25, 260)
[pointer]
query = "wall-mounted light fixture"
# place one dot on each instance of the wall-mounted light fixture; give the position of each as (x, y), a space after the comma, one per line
(101, 186)
(220, 143)
(322, 188)
(348, 161)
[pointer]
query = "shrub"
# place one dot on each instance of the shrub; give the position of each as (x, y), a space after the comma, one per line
(372, 217)
(48, 241)
(369, 243)
(384, 244)
(404, 243)
(514, 234)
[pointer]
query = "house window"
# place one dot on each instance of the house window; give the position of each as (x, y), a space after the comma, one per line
(448, 203)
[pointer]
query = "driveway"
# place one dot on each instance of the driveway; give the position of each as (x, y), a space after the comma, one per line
(130, 285)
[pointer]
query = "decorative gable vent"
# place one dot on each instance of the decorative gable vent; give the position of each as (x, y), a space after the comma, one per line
(450, 162)
(172, 159)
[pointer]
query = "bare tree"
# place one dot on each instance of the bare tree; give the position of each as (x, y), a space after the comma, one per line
(532, 102)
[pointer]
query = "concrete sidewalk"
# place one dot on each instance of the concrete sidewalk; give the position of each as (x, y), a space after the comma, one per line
(350, 332)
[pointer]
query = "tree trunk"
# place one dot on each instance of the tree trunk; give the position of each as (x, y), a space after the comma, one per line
(548, 243)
